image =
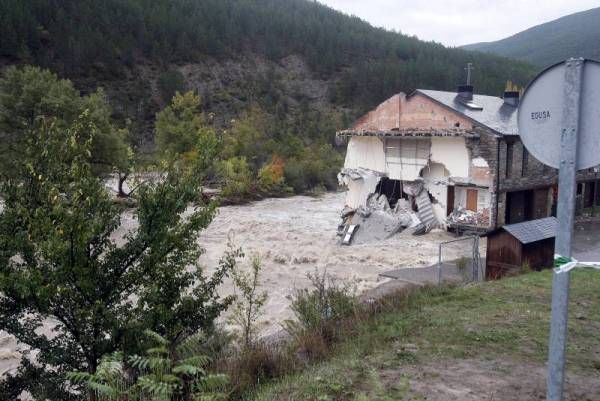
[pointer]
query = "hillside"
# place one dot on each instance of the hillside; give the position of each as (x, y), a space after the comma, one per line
(311, 67)
(575, 35)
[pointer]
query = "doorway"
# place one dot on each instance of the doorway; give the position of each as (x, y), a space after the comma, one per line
(450, 200)
(472, 200)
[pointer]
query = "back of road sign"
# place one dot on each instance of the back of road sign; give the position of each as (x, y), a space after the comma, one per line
(541, 114)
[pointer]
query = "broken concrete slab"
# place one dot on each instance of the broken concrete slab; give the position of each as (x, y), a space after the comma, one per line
(378, 226)
(349, 235)
(361, 182)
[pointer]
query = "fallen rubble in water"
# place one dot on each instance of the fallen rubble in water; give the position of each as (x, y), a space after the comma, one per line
(380, 217)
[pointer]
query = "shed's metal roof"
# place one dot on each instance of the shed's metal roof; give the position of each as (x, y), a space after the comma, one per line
(534, 230)
(493, 112)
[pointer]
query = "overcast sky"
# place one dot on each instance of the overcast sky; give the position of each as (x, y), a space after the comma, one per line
(460, 22)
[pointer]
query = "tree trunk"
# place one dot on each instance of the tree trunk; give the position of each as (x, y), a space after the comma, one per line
(122, 179)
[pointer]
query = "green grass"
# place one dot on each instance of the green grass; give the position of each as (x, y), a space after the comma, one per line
(502, 319)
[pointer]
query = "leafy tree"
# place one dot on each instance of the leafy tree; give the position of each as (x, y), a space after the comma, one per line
(165, 373)
(270, 176)
(236, 177)
(249, 303)
(65, 257)
(316, 166)
(28, 93)
(179, 124)
(250, 137)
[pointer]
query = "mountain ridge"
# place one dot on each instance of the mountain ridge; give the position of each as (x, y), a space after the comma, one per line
(235, 53)
(574, 35)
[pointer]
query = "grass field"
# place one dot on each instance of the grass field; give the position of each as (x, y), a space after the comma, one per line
(480, 342)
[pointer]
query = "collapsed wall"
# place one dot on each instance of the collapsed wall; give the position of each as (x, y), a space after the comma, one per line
(436, 177)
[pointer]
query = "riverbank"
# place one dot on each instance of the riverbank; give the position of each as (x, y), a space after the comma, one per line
(480, 342)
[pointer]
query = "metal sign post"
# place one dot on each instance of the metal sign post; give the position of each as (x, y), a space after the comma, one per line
(567, 186)
(559, 124)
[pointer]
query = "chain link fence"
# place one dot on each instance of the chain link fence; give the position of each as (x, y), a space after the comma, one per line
(458, 262)
(467, 268)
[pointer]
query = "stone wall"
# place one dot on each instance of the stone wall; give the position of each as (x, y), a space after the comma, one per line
(485, 147)
(529, 176)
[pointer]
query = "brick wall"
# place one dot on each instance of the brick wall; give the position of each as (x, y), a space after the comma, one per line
(383, 118)
(417, 111)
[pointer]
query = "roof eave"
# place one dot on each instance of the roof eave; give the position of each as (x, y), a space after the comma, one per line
(410, 133)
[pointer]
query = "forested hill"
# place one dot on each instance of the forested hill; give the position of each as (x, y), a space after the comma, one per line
(576, 35)
(297, 60)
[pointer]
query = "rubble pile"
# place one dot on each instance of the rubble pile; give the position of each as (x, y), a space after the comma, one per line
(377, 220)
(463, 216)
(369, 216)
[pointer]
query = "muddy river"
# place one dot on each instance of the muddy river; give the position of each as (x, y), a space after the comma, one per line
(293, 236)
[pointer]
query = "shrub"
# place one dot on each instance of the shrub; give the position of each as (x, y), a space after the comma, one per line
(270, 176)
(328, 301)
(166, 373)
(254, 366)
(235, 176)
(317, 167)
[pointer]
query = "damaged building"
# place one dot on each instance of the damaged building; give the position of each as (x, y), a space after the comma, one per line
(451, 160)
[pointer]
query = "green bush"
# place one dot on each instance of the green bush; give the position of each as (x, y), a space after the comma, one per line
(235, 176)
(167, 372)
(317, 167)
(326, 302)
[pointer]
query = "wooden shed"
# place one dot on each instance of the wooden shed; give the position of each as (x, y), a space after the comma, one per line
(511, 247)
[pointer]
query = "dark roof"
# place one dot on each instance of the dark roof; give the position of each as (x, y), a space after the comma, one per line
(534, 230)
(491, 112)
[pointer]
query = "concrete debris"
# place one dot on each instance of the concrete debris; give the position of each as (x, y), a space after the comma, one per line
(413, 188)
(378, 202)
(461, 215)
(377, 220)
(371, 210)
(405, 214)
(350, 234)
(347, 211)
(417, 190)
(361, 182)
(379, 225)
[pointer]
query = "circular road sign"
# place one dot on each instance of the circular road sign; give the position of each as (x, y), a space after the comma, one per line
(540, 116)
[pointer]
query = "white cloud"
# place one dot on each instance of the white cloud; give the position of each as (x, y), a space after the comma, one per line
(459, 22)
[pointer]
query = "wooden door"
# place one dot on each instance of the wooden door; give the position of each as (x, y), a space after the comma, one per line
(540, 203)
(450, 201)
(472, 199)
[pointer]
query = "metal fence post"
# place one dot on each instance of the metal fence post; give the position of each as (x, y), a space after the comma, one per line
(440, 265)
(566, 215)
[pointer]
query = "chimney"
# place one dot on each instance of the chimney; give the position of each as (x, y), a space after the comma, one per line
(511, 98)
(466, 92)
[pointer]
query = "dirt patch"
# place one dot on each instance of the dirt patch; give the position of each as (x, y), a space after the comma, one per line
(494, 380)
